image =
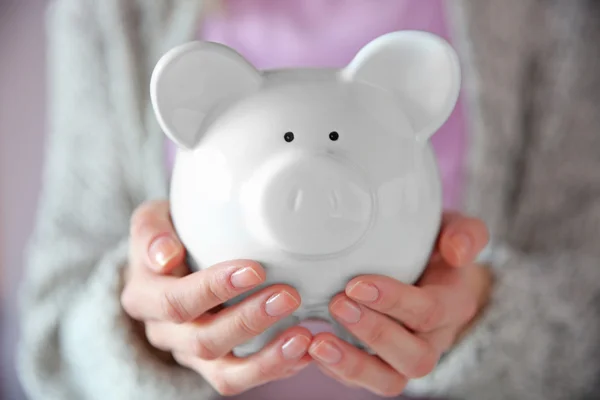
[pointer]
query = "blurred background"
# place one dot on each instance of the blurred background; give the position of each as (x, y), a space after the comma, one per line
(22, 123)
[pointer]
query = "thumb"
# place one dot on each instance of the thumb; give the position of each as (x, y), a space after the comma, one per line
(154, 243)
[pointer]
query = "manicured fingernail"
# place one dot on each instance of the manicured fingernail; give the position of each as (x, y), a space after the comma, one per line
(363, 292)
(295, 348)
(461, 244)
(245, 278)
(346, 311)
(326, 352)
(163, 250)
(280, 304)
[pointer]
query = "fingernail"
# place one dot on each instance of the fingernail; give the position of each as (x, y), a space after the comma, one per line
(163, 250)
(461, 244)
(346, 311)
(326, 352)
(295, 348)
(280, 304)
(245, 278)
(363, 292)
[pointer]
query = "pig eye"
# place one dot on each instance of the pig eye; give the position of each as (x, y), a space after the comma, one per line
(289, 136)
(334, 136)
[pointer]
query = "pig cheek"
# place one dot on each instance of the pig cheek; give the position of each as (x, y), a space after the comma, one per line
(210, 176)
(398, 195)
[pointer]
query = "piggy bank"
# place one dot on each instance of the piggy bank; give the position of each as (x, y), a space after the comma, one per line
(318, 174)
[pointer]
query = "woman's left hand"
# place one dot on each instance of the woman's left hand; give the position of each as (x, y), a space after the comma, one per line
(408, 326)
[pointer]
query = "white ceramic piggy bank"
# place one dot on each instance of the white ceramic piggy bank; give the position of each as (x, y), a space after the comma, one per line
(320, 175)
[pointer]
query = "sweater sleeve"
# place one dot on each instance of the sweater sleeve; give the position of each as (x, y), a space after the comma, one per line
(76, 342)
(538, 338)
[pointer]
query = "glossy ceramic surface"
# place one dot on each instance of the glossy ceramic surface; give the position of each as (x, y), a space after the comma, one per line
(319, 175)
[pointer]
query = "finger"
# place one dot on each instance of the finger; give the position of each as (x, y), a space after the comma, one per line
(356, 367)
(414, 307)
(337, 377)
(230, 376)
(179, 300)
(440, 302)
(405, 352)
(301, 366)
(154, 243)
(442, 339)
(457, 293)
(461, 239)
(214, 336)
(180, 271)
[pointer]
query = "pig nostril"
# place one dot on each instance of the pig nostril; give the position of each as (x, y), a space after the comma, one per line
(296, 197)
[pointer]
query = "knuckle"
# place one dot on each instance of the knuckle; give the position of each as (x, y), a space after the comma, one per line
(186, 360)
(393, 387)
(179, 358)
(151, 334)
(204, 348)
(154, 337)
(267, 370)
(446, 341)
(173, 309)
(354, 371)
(425, 363)
(145, 217)
(142, 230)
(140, 218)
(470, 309)
(390, 304)
(375, 334)
(248, 325)
(128, 300)
(216, 290)
(183, 360)
(429, 318)
(224, 387)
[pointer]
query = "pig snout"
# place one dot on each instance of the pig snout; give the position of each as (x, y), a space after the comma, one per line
(311, 205)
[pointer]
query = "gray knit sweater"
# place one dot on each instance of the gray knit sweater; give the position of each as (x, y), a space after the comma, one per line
(533, 83)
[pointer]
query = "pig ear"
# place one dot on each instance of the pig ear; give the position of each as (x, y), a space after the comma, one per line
(194, 79)
(419, 68)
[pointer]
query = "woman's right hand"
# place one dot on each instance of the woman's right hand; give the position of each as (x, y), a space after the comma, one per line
(176, 307)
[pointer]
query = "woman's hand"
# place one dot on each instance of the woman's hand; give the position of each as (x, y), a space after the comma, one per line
(178, 309)
(409, 327)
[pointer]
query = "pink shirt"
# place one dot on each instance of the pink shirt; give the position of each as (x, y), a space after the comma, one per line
(328, 33)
